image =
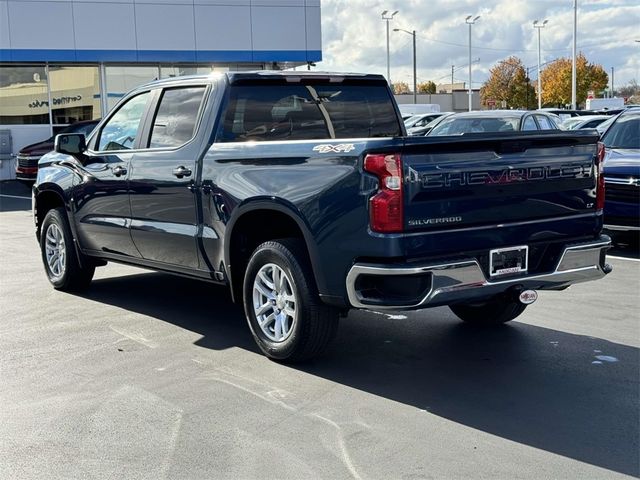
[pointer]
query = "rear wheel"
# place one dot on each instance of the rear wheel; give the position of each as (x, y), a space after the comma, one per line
(495, 311)
(59, 256)
(286, 317)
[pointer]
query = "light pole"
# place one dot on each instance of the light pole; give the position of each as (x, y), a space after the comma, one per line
(387, 18)
(415, 77)
(539, 26)
(573, 61)
(470, 22)
(613, 92)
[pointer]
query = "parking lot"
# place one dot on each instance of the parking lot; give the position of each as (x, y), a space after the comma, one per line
(152, 376)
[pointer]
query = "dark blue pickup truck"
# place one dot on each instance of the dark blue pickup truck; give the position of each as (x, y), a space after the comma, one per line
(302, 192)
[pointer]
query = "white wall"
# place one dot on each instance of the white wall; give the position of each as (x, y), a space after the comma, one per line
(160, 30)
(21, 136)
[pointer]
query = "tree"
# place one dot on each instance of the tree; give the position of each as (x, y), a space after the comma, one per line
(508, 82)
(556, 81)
(427, 87)
(400, 88)
(629, 90)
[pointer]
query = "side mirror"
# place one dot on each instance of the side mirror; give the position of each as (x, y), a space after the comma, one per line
(70, 143)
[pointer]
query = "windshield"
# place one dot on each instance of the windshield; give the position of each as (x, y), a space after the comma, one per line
(460, 125)
(571, 123)
(411, 121)
(605, 125)
(624, 133)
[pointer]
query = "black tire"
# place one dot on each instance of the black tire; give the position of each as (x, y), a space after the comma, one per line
(315, 323)
(73, 276)
(495, 311)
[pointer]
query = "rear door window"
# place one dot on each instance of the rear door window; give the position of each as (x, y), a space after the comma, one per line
(308, 112)
(529, 123)
(175, 120)
(545, 123)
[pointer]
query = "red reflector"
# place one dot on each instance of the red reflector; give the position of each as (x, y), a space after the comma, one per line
(600, 176)
(386, 206)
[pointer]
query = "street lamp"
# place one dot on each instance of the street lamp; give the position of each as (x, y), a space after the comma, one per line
(539, 26)
(573, 56)
(470, 22)
(415, 78)
(387, 18)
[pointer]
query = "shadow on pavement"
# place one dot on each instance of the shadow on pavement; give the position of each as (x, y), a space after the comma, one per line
(14, 196)
(531, 385)
(625, 244)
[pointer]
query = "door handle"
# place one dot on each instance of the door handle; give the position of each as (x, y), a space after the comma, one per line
(182, 171)
(119, 171)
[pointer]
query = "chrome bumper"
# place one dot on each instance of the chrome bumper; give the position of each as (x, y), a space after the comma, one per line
(464, 279)
(621, 228)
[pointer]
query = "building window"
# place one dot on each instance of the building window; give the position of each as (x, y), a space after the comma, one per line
(122, 79)
(23, 95)
(75, 94)
(167, 71)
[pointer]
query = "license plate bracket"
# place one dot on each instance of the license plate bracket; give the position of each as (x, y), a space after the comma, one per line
(508, 261)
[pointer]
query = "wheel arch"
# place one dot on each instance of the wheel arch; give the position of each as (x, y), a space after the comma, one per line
(237, 249)
(46, 197)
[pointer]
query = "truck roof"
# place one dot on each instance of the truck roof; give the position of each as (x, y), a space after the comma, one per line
(289, 76)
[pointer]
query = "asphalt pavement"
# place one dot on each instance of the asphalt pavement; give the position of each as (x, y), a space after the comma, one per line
(152, 376)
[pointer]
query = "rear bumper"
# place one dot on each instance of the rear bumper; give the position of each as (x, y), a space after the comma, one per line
(463, 280)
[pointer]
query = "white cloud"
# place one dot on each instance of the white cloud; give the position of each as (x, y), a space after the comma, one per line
(354, 37)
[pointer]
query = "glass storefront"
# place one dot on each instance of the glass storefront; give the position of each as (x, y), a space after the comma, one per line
(121, 79)
(80, 92)
(24, 98)
(75, 94)
(167, 71)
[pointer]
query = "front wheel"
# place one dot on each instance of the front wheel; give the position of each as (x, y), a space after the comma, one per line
(61, 264)
(495, 311)
(286, 317)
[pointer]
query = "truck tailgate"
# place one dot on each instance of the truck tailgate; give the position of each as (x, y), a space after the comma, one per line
(493, 179)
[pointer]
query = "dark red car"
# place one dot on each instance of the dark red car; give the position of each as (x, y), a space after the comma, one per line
(27, 164)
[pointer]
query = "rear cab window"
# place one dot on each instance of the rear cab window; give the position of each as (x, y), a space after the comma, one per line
(316, 111)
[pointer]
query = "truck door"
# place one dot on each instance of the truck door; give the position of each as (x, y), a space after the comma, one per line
(101, 202)
(162, 180)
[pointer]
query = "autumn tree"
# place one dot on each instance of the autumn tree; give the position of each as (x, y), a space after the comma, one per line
(629, 90)
(508, 82)
(556, 81)
(427, 87)
(400, 88)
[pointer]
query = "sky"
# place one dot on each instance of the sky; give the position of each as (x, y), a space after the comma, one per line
(354, 36)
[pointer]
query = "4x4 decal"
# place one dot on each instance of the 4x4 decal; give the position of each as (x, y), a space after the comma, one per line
(339, 148)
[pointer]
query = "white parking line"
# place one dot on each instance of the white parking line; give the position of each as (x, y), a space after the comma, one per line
(624, 258)
(15, 196)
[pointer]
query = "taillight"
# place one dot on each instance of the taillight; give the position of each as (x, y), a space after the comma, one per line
(600, 176)
(386, 206)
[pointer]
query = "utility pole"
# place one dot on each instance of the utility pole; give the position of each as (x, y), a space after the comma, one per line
(415, 76)
(452, 68)
(387, 18)
(526, 92)
(573, 61)
(470, 22)
(613, 92)
(539, 26)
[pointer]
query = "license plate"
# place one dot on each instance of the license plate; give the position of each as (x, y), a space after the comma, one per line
(508, 261)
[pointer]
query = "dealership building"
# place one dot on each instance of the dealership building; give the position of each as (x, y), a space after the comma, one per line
(65, 61)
